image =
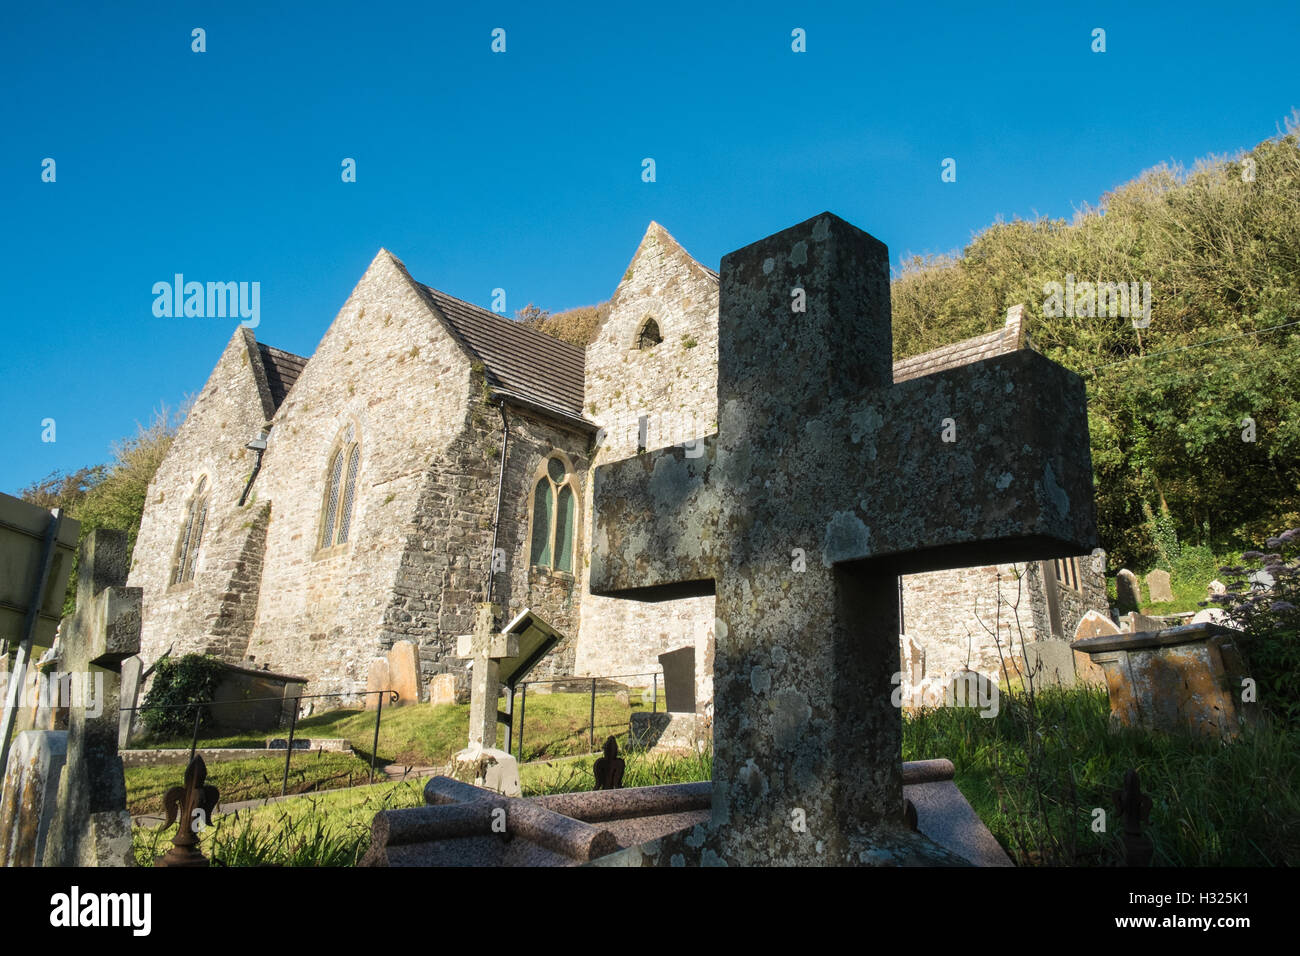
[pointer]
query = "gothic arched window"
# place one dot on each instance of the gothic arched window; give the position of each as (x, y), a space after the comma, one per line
(187, 549)
(554, 517)
(340, 489)
(649, 336)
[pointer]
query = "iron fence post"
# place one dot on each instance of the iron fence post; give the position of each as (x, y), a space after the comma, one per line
(523, 710)
(194, 744)
(654, 707)
(288, 754)
(374, 747)
(592, 737)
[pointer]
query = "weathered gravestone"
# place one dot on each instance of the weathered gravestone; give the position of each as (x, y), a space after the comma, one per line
(91, 826)
(27, 806)
(442, 689)
(1128, 593)
(679, 680)
(404, 672)
(132, 676)
(1158, 586)
(817, 449)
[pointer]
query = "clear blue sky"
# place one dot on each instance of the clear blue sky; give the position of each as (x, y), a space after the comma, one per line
(522, 170)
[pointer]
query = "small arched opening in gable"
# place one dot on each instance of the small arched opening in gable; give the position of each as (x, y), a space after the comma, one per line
(649, 336)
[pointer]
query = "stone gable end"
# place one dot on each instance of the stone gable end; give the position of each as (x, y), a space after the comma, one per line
(212, 613)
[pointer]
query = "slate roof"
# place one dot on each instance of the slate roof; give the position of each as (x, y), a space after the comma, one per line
(282, 370)
(518, 360)
(1006, 339)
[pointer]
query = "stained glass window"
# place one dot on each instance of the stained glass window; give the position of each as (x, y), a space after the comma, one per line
(554, 518)
(543, 514)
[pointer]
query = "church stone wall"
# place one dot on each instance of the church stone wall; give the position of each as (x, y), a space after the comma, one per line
(212, 613)
(946, 613)
(1072, 604)
(391, 368)
(555, 595)
(675, 386)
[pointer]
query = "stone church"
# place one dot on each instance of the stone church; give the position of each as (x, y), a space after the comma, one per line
(431, 454)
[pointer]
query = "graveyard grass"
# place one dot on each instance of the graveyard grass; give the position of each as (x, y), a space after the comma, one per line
(1035, 773)
(556, 726)
(333, 829)
(1038, 770)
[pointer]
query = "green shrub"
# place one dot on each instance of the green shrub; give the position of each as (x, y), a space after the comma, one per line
(191, 679)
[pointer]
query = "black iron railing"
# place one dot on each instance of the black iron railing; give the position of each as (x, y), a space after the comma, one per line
(199, 709)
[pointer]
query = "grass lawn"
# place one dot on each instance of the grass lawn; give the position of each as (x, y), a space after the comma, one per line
(251, 779)
(555, 725)
(1035, 775)
(333, 828)
(420, 735)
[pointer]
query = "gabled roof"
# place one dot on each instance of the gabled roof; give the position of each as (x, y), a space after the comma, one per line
(523, 363)
(282, 370)
(1009, 338)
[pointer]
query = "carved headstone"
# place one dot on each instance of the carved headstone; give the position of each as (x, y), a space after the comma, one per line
(132, 669)
(91, 826)
(818, 448)
(1128, 593)
(377, 679)
(442, 689)
(679, 680)
(404, 672)
(1158, 586)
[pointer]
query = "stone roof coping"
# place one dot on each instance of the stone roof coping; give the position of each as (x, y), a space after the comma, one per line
(1168, 637)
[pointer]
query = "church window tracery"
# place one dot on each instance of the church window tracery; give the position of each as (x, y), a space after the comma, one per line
(340, 489)
(554, 507)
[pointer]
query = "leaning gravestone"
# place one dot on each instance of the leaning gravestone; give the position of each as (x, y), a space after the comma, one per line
(27, 807)
(91, 826)
(1158, 586)
(1127, 590)
(132, 671)
(817, 448)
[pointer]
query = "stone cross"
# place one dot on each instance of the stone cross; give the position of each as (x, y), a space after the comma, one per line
(91, 826)
(825, 482)
(486, 648)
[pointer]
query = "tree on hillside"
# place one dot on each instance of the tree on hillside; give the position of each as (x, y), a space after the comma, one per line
(111, 495)
(1198, 411)
(576, 326)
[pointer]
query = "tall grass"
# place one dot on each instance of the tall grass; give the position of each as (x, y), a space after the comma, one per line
(1038, 770)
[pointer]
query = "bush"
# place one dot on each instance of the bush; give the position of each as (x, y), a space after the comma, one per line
(1270, 621)
(191, 679)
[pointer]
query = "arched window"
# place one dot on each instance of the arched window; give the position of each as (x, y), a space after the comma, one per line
(554, 517)
(340, 489)
(187, 549)
(649, 335)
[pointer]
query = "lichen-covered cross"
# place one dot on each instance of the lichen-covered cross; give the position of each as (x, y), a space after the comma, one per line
(825, 482)
(486, 648)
